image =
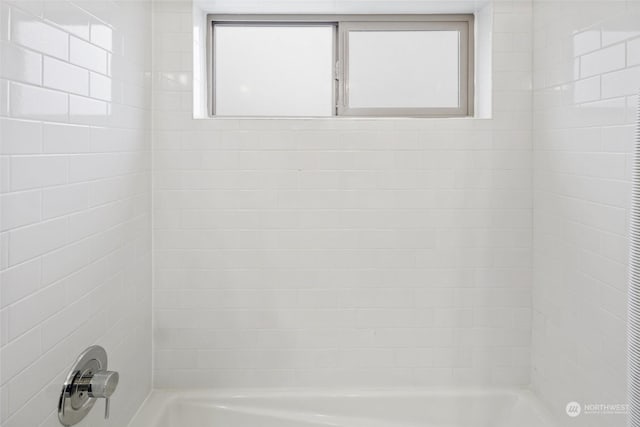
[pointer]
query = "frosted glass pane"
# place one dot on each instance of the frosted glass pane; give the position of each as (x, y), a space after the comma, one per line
(410, 69)
(273, 71)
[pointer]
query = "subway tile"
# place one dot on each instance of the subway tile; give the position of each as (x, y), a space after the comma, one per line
(20, 281)
(5, 173)
(101, 87)
(58, 201)
(621, 83)
(5, 17)
(633, 52)
(60, 139)
(67, 320)
(69, 17)
(31, 32)
(65, 77)
(19, 354)
(31, 311)
(586, 90)
(19, 64)
(35, 7)
(619, 29)
(38, 239)
(64, 261)
(20, 136)
(19, 209)
(29, 102)
(4, 97)
(38, 171)
(87, 55)
(87, 111)
(102, 35)
(586, 41)
(603, 60)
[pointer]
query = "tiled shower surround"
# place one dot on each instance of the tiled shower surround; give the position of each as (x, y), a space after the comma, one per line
(311, 252)
(586, 81)
(75, 202)
(342, 252)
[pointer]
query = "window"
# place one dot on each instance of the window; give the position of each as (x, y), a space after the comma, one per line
(347, 65)
(273, 70)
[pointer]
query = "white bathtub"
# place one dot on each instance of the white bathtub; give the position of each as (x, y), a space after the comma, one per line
(397, 408)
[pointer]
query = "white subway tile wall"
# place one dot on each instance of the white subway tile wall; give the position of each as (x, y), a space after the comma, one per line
(75, 201)
(342, 252)
(586, 81)
(351, 252)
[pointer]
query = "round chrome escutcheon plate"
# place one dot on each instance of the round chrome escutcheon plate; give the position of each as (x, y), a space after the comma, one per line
(75, 404)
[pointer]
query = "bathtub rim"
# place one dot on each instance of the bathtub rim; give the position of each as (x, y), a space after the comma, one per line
(152, 408)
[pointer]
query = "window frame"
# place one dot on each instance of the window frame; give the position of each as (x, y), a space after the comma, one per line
(343, 23)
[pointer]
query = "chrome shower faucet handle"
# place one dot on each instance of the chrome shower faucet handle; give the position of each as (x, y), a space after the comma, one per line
(87, 381)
